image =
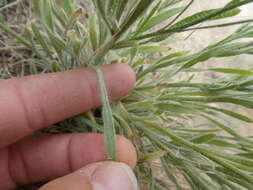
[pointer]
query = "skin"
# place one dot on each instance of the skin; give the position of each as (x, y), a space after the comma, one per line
(31, 103)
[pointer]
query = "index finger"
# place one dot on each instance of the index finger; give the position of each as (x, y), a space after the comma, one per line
(33, 102)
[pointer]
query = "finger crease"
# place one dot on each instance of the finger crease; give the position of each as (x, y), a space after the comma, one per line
(69, 152)
(24, 107)
(25, 166)
(10, 173)
(41, 112)
(26, 177)
(92, 89)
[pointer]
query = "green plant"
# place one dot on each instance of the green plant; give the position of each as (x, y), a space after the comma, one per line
(154, 115)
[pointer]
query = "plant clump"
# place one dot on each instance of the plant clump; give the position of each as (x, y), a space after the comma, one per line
(209, 156)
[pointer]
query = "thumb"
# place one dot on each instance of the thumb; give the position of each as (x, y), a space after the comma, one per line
(98, 176)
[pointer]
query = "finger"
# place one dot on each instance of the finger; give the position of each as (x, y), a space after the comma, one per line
(42, 158)
(33, 102)
(98, 176)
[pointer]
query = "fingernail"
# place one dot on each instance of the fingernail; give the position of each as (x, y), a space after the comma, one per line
(112, 176)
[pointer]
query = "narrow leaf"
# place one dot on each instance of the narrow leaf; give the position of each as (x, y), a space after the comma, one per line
(109, 129)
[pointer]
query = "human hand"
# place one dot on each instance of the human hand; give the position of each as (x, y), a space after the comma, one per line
(34, 102)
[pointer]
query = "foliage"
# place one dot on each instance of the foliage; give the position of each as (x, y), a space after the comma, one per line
(207, 156)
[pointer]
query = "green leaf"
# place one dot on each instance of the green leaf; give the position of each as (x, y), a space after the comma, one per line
(73, 19)
(101, 10)
(67, 6)
(215, 99)
(223, 143)
(159, 18)
(233, 114)
(247, 155)
(38, 7)
(109, 129)
(229, 130)
(121, 8)
(169, 172)
(153, 49)
(147, 18)
(54, 66)
(225, 50)
(203, 138)
(152, 156)
(93, 32)
(232, 71)
(140, 104)
(103, 33)
(227, 14)
(195, 19)
(203, 16)
(135, 14)
(168, 3)
(138, 63)
(91, 124)
(228, 10)
(14, 34)
(175, 107)
(48, 14)
(41, 40)
(125, 125)
(57, 42)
